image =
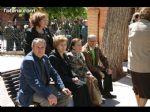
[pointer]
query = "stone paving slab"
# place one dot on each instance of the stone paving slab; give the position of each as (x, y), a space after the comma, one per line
(10, 62)
(125, 94)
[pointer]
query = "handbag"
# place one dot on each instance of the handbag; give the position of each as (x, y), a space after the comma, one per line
(95, 94)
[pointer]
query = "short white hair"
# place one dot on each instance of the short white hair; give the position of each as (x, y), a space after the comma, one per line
(91, 36)
(38, 40)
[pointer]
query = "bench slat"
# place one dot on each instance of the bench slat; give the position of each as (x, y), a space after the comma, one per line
(11, 81)
(10, 73)
(10, 76)
(13, 89)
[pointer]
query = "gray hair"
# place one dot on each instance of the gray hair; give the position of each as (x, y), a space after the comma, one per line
(135, 16)
(91, 36)
(145, 13)
(38, 40)
(84, 21)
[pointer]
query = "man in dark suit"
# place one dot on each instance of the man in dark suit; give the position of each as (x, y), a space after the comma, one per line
(98, 65)
(36, 72)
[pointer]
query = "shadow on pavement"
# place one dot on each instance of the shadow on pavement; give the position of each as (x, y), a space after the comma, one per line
(110, 103)
(126, 80)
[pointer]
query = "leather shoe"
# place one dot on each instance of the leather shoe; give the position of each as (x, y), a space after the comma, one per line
(103, 101)
(109, 96)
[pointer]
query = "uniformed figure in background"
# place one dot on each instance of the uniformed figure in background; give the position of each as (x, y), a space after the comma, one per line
(18, 37)
(9, 36)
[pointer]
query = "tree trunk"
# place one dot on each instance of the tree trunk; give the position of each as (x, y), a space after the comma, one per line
(113, 42)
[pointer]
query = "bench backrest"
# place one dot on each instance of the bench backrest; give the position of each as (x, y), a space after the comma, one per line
(11, 80)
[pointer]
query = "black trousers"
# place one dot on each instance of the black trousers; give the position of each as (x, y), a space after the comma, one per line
(81, 97)
(105, 86)
(18, 43)
(10, 45)
(80, 93)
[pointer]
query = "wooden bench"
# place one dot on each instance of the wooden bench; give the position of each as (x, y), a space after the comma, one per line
(11, 81)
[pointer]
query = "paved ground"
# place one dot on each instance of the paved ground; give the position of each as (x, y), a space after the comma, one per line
(7, 63)
(122, 88)
(4, 52)
(10, 62)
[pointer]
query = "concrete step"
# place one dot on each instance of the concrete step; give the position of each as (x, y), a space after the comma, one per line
(11, 52)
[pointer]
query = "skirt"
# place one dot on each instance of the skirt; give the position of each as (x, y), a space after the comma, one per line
(141, 84)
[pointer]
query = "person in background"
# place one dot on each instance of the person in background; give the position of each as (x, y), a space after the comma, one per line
(135, 18)
(18, 37)
(80, 21)
(139, 56)
(23, 41)
(39, 21)
(67, 28)
(9, 36)
(60, 62)
(1, 36)
(60, 31)
(99, 66)
(80, 70)
(54, 26)
(76, 30)
(84, 32)
(35, 75)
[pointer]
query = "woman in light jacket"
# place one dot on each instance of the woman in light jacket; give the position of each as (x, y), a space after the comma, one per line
(139, 56)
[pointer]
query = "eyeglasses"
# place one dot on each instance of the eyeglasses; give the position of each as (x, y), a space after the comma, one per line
(92, 41)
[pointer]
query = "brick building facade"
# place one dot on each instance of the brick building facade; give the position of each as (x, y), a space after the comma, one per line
(96, 21)
(14, 17)
(97, 17)
(5, 17)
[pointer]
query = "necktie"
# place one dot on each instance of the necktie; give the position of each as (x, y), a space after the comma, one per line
(43, 72)
(93, 56)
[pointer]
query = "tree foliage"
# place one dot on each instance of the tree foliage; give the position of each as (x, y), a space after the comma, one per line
(67, 12)
(59, 12)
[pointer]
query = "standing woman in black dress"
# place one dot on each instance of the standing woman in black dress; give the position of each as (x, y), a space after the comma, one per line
(39, 22)
(60, 62)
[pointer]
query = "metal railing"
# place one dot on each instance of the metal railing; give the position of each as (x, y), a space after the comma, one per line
(12, 50)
